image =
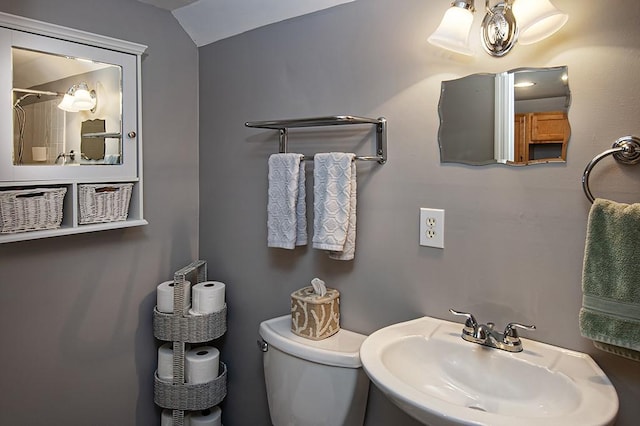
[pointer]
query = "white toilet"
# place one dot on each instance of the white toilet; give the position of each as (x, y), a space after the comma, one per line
(313, 383)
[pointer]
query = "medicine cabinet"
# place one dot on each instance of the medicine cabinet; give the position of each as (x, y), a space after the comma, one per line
(70, 117)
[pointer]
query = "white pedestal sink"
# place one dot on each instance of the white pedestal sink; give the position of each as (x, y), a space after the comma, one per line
(426, 369)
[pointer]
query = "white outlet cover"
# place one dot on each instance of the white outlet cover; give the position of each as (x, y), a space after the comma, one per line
(432, 227)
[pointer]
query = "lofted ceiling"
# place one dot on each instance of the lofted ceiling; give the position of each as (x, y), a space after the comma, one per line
(207, 21)
(168, 4)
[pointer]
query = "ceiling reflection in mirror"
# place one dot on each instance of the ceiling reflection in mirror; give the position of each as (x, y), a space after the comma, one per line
(518, 117)
(66, 111)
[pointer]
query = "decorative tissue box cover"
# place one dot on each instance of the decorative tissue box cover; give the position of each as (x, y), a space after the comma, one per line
(313, 316)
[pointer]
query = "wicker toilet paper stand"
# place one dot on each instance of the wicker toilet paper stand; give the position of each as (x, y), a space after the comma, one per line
(182, 328)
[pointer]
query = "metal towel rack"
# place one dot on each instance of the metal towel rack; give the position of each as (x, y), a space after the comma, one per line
(335, 120)
(626, 150)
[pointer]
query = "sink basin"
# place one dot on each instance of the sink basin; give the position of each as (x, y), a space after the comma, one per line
(426, 369)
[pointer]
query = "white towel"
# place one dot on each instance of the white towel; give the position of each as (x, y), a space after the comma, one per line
(286, 208)
(335, 204)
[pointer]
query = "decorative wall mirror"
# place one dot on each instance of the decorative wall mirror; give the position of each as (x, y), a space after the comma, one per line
(518, 118)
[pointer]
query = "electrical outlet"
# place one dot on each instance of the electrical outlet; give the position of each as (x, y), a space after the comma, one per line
(432, 227)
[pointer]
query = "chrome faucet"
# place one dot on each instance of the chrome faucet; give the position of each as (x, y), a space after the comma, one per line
(484, 334)
(71, 156)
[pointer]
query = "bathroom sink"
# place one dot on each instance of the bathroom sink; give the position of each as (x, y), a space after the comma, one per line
(426, 369)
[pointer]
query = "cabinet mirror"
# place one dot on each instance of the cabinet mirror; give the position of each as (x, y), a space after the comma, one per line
(518, 117)
(67, 110)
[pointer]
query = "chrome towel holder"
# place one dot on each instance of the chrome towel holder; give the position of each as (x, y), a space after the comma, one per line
(625, 150)
(283, 125)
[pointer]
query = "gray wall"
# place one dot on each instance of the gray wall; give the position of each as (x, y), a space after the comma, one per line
(514, 239)
(76, 310)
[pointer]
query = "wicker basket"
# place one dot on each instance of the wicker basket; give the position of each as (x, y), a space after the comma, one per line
(104, 202)
(31, 209)
(191, 397)
(190, 329)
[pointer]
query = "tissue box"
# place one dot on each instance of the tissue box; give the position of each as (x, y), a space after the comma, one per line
(313, 316)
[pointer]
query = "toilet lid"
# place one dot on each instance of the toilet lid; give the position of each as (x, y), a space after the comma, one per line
(340, 350)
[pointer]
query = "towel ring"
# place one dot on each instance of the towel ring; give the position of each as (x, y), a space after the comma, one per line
(626, 150)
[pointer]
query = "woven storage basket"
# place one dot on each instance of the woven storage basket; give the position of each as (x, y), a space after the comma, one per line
(104, 202)
(31, 209)
(184, 396)
(189, 329)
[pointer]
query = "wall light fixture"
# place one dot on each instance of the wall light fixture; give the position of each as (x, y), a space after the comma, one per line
(79, 98)
(508, 21)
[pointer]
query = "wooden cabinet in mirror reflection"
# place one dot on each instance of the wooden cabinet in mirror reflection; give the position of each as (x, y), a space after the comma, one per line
(541, 137)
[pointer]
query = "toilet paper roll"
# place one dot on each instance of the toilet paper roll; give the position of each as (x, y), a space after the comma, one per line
(165, 296)
(39, 153)
(208, 297)
(165, 362)
(166, 418)
(201, 364)
(208, 417)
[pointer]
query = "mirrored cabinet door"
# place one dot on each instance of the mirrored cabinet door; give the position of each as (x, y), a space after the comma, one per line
(70, 110)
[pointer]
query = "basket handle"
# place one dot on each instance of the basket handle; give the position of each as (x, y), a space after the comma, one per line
(107, 189)
(32, 195)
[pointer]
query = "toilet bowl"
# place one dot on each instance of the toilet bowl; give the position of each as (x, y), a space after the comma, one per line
(313, 383)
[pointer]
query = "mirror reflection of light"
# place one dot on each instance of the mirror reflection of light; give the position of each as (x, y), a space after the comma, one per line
(78, 98)
(524, 84)
(67, 103)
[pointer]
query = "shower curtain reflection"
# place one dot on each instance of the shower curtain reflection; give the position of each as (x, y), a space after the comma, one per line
(38, 129)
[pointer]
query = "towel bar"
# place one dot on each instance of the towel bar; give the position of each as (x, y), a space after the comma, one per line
(625, 150)
(283, 125)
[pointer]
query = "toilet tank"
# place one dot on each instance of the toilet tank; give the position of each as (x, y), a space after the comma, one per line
(313, 383)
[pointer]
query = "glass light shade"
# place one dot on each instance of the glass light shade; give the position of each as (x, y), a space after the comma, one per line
(453, 32)
(67, 103)
(537, 20)
(82, 99)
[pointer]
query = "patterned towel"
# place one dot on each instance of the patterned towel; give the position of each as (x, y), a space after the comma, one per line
(335, 204)
(286, 207)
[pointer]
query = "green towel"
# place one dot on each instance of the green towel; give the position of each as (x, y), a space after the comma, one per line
(610, 314)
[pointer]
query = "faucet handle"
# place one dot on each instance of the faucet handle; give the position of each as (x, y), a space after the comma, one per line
(470, 325)
(511, 334)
